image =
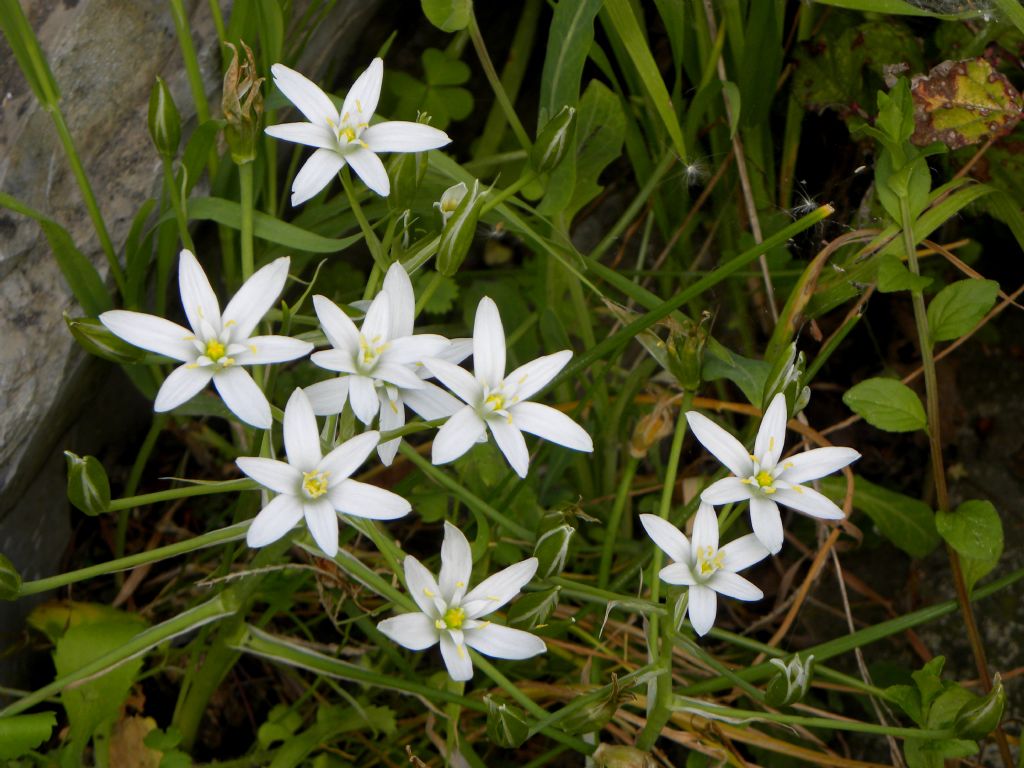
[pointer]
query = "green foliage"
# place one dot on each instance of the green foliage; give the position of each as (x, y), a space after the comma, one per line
(440, 94)
(22, 733)
(10, 579)
(448, 15)
(887, 404)
(958, 307)
(975, 531)
(88, 486)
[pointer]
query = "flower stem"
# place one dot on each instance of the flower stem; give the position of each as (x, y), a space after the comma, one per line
(134, 475)
(245, 186)
(174, 195)
(372, 241)
(611, 532)
(499, 90)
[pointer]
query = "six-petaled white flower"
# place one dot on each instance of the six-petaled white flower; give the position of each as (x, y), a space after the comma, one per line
(703, 567)
(346, 137)
(313, 486)
(451, 612)
(390, 378)
(765, 481)
(219, 344)
(497, 402)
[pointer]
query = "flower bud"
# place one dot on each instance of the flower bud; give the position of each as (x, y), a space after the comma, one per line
(459, 230)
(596, 714)
(96, 339)
(10, 580)
(979, 718)
(790, 685)
(552, 549)
(553, 140)
(531, 611)
(622, 756)
(242, 103)
(785, 376)
(506, 724)
(685, 347)
(450, 200)
(651, 429)
(164, 121)
(88, 487)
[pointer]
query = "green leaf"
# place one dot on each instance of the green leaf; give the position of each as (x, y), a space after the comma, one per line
(569, 40)
(959, 307)
(746, 373)
(448, 15)
(731, 91)
(894, 276)
(331, 722)
(506, 724)
(533, 609)
(761, 62)
(445, 293)
(10, 579)
(96, 339)
(900, 7)
(886, 404)
(908, 523)
(975, 531)
(88, 487)
(21, 733)
(933, 753)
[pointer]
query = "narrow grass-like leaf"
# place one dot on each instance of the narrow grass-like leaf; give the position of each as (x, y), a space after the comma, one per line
(569, 40)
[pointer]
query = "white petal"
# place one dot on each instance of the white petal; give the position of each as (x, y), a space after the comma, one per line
(301, 437)
(414, 631)
(369, 501)
(152, 333)
(398, 287)
(183, 383)
(816, 463)
(807, 500)
(458, 380)
(456, 351)
(197, 296)
(551, 424)
(456, 436)
(270, 473)
(399, 375)
(766, 521)
(392, 416)
(274, 521)
(307, 97)
(726, 491)
(371, 170)
(703, 607)
(262, 350)
(726, 448)
(678, 574)
(488, 344)
(456, 564)
(363, 397)
(705, 529)
(504, 642)
(402, 136)
(323, 524)
(742, 553)
(315, 174)
(339, 328)
(377, 323)
(528, 379)
(511, 443)
(344, 460)
(731, 585)
(413, 349)
(340, 360)
(255, 298)
(304, 133)
(243, 396)
(771, 435)
(431, 402)
(328, 397)
(362, 98)
(422, 586)
(493, 592)
(456, 658)
(667, 537)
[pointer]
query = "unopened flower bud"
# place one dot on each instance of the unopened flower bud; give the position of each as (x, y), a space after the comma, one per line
(552, 549)
(596, 714)
(685, 347)
(506, 724)
(96, 339)
(785, 377)
(10, 580)
(979, 718)
(790, 685)
(242, 103)
(651, 429)
(164, 121)
(553, 140)
(459, 230)
(450, 200)
(88, 487)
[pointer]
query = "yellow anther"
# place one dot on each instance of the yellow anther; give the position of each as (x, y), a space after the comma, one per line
(429, 592)
(708, 561)
(454, 617)
(764, 478)
(314, 483)
(215, 350)
(438, 624)
(348, 133)
(496, 401)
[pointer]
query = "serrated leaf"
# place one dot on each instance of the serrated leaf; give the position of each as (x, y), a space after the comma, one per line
(958, 307)
(963, 102)
(894, 276)
(886, 404)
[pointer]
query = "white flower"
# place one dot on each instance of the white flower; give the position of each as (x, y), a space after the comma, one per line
(702, 566)
(388, 379)
(315, 486)
(346, 137)
(450, 200)
(218, 344)
(497, 402)
(450, 614)
(762, 480)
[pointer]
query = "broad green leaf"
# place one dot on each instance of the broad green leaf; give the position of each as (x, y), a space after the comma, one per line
(886, 404)
(973, 529)
(10, 579)
(933, 753)
(746, 373)
(907, 522)
(960, 306)
(21, 733)
(894, 276)
(448, 15)
(569, 41)
(88, 487)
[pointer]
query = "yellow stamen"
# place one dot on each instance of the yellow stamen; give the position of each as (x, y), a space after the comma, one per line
(764, 478)
(708, 561)
(215, 350)
(314, 483)
(454, 617)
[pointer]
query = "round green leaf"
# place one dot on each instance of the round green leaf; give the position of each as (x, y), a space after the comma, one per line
(887, 404)
(973, 529)
(448, 15)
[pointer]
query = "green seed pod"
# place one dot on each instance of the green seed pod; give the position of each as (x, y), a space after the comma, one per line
(506, 724)
(790, 685)
(164, 120)
(552, 549)
(96, 339)
(979, 718)
(10, 580)
(457, 235)
(553, 140)
(242, 103)
(88, 487)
